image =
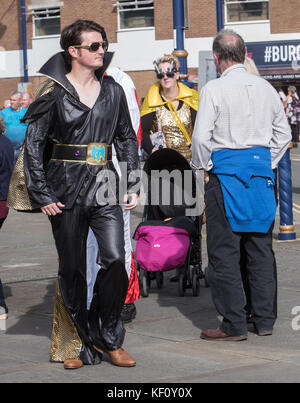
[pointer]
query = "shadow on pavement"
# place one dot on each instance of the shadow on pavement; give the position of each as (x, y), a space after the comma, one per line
(31, 316)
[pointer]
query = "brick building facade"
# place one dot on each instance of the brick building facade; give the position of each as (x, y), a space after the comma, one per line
(136, 47)
(285, 19)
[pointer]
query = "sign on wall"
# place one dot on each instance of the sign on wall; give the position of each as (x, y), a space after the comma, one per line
(276, 59)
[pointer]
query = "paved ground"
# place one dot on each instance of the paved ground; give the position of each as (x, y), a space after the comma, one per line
(164, 338)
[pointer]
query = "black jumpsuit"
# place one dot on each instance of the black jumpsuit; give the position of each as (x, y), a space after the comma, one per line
(62, 119)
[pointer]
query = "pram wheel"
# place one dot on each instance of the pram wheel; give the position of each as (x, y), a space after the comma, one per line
(159, 276)
(195, 282)
(206, 283)
(194, 279)
(145, 283)
(182, 283)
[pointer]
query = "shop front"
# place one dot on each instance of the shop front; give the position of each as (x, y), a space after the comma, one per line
(278, 62)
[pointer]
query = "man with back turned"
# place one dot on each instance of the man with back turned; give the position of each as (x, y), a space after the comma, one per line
(240, 135)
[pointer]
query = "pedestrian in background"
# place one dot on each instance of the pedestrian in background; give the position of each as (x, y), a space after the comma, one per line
(27, 100)
(241, 133)
(15, 130)
(251, 66)
(283, 97)
(170, 109)
(6, 167)
(6, 104)
(93, 257)
(168, 113)
(293, 113)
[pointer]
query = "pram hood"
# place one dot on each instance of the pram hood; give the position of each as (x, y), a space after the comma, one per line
(162, 246)
(172, 163)
(166, 158)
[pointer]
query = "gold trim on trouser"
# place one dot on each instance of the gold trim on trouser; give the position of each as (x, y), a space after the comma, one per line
(65, 341)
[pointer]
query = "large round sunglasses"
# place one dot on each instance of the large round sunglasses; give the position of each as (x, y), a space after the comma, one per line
(94, 46)
(161, 74)
(170, 73)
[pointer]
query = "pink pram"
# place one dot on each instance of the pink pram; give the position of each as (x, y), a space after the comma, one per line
(161, 247)
(164, 245)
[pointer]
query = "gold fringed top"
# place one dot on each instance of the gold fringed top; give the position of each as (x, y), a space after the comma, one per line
(173, 135)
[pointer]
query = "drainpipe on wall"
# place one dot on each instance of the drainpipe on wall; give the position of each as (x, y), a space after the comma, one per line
(178, 26)
(180, 52)
(24, 40)
(220, 23)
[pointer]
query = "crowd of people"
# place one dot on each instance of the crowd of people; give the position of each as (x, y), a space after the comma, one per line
(291, 103)
(235, 132)
(13, 111)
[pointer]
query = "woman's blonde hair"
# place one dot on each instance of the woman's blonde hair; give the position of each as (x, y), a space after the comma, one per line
(167, 59)
(2, 125)
(292, 89)
(250, 66)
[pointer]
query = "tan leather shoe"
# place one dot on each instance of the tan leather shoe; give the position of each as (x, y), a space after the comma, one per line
(218, 335)
(73, 364)
(119, 357)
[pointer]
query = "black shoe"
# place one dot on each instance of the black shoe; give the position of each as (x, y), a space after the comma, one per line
(128, 313)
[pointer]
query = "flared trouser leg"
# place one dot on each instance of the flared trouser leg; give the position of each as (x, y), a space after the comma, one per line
(70, 230)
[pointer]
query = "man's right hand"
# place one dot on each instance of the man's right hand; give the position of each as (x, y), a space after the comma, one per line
(206, 177)
(53, 208)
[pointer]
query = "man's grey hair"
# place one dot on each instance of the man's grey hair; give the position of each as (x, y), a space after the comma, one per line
(2, 125)
(19, 94)
(229, 46)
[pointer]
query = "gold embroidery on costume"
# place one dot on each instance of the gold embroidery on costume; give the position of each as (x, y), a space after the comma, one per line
(175, 139)
(44, 88)
(18, 198)
(66, 343)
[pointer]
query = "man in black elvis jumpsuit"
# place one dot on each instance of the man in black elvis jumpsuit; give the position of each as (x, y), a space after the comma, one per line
(79, 132)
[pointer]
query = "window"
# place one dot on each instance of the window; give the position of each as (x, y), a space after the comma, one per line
(246, 10)
(46, 21)
(135, 13)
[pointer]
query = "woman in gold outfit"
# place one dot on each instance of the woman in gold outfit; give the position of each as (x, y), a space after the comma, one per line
(169, 107)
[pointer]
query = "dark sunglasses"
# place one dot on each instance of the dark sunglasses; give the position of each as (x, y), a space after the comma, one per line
(161, 75)
(94, 46)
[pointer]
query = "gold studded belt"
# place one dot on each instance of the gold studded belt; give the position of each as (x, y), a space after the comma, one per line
(92, 154)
